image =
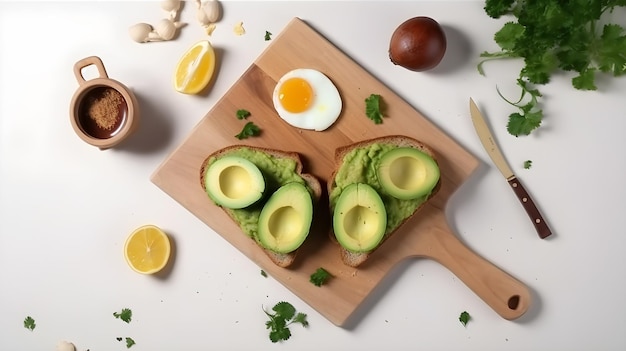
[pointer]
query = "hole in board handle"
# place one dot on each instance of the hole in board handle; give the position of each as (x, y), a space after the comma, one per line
(513, 302)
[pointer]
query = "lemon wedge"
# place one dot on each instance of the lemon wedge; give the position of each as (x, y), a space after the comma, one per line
(147, 249)
(195, 68)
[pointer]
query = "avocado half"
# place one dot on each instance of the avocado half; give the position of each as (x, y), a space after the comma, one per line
(407, 173)
(234, 182)
(359, 218)
(286, 218)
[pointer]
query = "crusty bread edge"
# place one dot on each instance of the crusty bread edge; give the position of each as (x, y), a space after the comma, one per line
(354, 259)
(280, 259)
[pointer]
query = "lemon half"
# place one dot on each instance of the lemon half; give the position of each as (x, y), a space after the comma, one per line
(147, 249)
(195, 68)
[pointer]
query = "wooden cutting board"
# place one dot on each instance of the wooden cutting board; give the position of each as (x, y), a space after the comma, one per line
(425, 235)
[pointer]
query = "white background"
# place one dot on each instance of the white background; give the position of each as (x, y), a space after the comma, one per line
(66, 208)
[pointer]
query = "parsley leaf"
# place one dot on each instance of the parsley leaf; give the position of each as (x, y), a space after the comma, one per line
(268, 36)
(250, 129)
(320, 277)
(528, 164)
(464, 318)
(243, 114)
(283, 316)
(29, 323)
(264, 273)
(550, 35)
(126, 315)
(373, 108)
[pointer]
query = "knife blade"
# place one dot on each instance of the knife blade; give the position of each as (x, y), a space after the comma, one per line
(486, 138)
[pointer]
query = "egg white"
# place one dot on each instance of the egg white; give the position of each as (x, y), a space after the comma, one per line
(325, 106)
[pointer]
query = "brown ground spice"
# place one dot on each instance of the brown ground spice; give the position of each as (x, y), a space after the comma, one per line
(104, 109)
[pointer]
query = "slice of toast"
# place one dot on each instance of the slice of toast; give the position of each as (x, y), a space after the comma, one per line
(271, 158)
(354, 259)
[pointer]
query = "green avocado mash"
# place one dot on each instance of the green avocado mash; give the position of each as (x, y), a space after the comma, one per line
(359, 166)
(277, 172)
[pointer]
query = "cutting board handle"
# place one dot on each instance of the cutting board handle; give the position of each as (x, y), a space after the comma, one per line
(504, 294)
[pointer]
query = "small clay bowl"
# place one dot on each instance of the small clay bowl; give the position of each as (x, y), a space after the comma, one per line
(103, 111)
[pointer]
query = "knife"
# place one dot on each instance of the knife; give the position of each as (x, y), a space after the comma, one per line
(498, 159)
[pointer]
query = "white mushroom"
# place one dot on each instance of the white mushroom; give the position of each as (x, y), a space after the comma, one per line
(140, 32)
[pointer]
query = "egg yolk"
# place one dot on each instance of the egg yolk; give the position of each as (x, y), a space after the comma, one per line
(295, 94)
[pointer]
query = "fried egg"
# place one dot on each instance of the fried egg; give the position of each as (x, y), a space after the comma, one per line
(306, 98)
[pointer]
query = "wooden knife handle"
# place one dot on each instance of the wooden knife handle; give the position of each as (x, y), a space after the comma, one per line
(529, 205)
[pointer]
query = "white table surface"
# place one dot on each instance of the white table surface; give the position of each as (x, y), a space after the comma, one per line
(66, 208)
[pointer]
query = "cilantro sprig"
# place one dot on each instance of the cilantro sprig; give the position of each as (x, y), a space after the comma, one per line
(320, 277)
(529, 116)
(554, 35)
(249, 130)
(29, 323)
(528, 164)
(242, 113)
(464, 318)
(284, 315)
(373, 108)
(129, 341)
(125, 314)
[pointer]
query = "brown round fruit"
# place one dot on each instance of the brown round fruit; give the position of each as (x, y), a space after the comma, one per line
(418, 44)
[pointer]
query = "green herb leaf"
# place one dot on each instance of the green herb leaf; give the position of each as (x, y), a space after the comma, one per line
(508, 35)
(243, 114)
(126, 315)
(29, 323)
(129, 342)
(249, 130)
(585, 81)
(528, 164)
(301, 318)
(373, 109)
(268, 36)
(612, 50)
(284, 310)
(263, 273)
(497, 8)
(524, 124)
(529, 116)
(550, 35)
(320, 277)
(279, 321)
(280, 334)
(464, 318)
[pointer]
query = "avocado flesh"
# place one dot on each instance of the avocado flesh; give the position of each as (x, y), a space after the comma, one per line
(286, 218)
(359, 218)
(360, 166)
(234, 182)
(277, 172)
(407, 173)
